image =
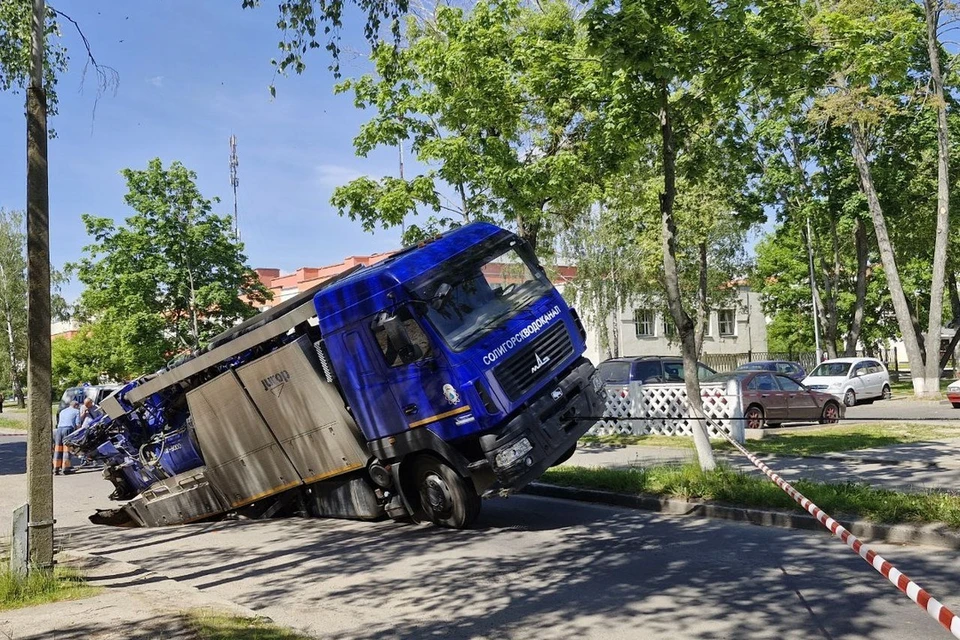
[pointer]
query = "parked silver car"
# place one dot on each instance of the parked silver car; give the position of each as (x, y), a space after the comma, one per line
(852, 379)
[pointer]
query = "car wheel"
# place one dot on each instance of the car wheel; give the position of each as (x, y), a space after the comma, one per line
(956, 405)
(753, 417)
(886, 394)
(831, 413)
(849, 398)
(447, 499)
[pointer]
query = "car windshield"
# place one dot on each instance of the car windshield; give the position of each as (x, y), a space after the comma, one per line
(468, 295)
(830, 369)
(614, 372)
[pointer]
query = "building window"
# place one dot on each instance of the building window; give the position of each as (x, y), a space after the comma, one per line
(669, 328)
(643, 322)
(727, 322)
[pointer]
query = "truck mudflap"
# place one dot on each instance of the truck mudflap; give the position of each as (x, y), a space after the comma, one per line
(549, 427)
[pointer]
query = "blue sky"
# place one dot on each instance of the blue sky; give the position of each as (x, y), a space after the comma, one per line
(192, 73)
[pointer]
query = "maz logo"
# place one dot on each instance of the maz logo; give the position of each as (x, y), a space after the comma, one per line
(540, 363)
(275, 382)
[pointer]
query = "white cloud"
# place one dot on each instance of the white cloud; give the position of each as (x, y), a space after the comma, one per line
(331, 176)
(156, 81)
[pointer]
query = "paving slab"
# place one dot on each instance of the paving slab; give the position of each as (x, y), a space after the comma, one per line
(136, 603)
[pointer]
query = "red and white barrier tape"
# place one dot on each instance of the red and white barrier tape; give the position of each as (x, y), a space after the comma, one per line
(924, 600)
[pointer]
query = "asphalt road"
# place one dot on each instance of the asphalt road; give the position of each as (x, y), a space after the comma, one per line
(905, 410)
(531, 568)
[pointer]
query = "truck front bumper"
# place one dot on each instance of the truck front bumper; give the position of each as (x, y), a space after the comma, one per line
(546, 429)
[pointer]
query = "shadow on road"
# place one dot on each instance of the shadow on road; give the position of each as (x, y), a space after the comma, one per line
(563, 569)
(13, 458)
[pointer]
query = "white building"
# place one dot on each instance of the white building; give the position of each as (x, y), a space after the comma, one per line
(640, 330)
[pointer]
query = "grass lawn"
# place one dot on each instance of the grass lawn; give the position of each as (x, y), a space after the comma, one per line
(734, 488)
(904, 388)
(805, 443)
(41, 587)
(212, 625)
(12, 424)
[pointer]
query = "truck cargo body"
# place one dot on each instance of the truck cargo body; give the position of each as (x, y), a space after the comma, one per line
(450, 371)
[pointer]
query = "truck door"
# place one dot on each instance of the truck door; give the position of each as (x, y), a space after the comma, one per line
(418, 375)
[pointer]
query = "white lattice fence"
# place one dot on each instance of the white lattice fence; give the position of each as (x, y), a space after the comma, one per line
(662, 409)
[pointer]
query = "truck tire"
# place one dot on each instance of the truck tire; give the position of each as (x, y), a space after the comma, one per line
(446, 499)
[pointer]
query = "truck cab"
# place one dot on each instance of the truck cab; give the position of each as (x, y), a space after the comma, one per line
(462, 366)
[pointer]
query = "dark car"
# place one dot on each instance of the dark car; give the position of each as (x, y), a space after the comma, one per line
(96, 392)
(773, 398)
(787, 368)
(618, 373)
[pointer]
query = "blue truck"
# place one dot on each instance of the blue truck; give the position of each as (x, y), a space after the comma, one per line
(411, 389)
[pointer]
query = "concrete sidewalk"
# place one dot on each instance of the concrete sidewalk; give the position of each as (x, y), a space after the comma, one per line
(920, 466)
(135, 603)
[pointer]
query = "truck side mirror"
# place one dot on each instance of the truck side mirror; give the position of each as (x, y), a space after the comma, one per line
(440, 297)
(398, 338)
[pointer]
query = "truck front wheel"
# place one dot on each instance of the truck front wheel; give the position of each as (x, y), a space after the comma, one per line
(445, 498)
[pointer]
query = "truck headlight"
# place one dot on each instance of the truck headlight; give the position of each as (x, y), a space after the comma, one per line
(510, 455)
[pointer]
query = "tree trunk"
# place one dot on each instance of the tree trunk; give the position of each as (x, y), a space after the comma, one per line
(831, 280)
(11, 348)
(935, 321)
(911, 340)
(671, 278)
(954, 294)
(820, 314)
(856, 325)
(703, 309)
(528, 231)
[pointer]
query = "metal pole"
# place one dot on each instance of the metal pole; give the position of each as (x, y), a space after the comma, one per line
(234, 182)
(813, 298)
(39, 463)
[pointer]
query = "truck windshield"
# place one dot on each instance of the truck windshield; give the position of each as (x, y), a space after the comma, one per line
(472, 293)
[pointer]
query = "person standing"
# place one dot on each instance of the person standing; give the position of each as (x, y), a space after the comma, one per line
(67, 422)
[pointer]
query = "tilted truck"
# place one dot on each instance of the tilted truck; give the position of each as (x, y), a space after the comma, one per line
(448, 372)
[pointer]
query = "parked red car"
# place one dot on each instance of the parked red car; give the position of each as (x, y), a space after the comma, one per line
(773, 398)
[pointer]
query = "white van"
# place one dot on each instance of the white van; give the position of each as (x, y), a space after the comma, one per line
(851, 379)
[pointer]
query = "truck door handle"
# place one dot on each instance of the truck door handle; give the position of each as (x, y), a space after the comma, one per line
(410, 409)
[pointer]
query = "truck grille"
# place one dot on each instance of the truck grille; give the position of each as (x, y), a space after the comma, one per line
(518, 374)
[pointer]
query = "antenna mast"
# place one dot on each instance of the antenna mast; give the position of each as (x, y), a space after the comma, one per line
(234, 182)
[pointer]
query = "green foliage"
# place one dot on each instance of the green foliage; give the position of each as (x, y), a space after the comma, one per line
(96, 351)
(169, 279)
(498, 103)
(301, 22)
(13, 301)
(734, 488)
(15, 26)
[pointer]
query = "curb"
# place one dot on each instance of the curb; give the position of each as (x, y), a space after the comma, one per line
(934, 535)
